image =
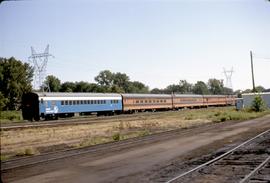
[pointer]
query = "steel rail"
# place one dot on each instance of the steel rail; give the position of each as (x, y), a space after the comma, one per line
(247, 177)
(78, 122)
(217, 158)
(47, 157)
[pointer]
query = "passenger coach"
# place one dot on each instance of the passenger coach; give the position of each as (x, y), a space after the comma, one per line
(143, 102)
(53, 105)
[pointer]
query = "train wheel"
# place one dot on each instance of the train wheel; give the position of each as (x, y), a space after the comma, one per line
(36, 118)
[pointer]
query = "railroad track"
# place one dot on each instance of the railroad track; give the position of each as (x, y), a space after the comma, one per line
(80, 121)
(84, 120)
(18, 163)
(247, 162)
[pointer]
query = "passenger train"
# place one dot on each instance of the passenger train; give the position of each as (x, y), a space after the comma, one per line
(36, 106)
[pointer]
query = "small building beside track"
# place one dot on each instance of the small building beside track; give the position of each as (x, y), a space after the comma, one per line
(249, 97)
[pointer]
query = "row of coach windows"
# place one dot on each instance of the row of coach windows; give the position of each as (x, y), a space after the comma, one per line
(188, 99)
(150, 101)
(84, 102)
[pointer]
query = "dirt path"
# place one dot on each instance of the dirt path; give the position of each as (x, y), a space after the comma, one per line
(141, 162)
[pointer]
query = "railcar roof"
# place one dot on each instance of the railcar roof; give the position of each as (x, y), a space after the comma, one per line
(141, 95)
(218, 95)
(263, 93)
(187, 95)
(65, 94)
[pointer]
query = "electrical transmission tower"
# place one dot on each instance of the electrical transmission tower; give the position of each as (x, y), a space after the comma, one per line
(40, 61)
(228, 75)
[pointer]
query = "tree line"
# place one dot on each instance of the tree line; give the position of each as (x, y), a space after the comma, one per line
(109, 82)
(16, 78)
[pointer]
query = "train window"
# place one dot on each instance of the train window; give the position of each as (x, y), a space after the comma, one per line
(41, 101)
(81, 102)
(98, 102)
(137, 101)
(104, 101)
(164, 101)
(85, 102)
(78, 102)
(95, 102)
(62, 103)
(70, 102)
(141, 101)
(154, 101)
(66, 102)
(92, 102)
(74, 102)
(150, 101)
(88, 101)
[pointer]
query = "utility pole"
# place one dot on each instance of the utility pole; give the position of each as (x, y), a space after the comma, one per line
(253, 82)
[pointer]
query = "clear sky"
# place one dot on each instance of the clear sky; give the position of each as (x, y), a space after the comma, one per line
(155, 42)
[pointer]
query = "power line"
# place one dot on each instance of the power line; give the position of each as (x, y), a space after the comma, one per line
(228, 75)
(40, 61)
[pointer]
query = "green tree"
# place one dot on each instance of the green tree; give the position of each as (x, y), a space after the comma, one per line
(15, 79)
(200, 88)
(172, 89)
(3, 101)
(67, 87)
(116, 89)
(227, 91)
(185, 87)
(215, 86)
(137, 87)
(259, 89)
(121, 80)
(105, 78)
(53, 83)
(258, 104)
(157, 91)
(82, 86)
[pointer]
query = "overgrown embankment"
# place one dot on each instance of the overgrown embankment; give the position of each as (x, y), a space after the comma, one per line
(45, 139)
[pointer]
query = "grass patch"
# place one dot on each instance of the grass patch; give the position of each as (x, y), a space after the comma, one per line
(10, 116)
(4, 157)
(221, 116)
(30, 151)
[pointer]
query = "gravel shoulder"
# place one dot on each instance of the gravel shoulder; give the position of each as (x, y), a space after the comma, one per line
(144, 161)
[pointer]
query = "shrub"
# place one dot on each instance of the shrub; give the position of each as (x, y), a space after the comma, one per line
(144, 133)
(258, 104)
(10, 116)
(116, 137)
(27, 152)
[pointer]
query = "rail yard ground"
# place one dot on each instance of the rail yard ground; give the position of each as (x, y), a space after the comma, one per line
(153, 158)
(32, 141)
